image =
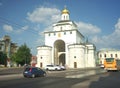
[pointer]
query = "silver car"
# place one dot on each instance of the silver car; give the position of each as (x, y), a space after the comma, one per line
(53, 67)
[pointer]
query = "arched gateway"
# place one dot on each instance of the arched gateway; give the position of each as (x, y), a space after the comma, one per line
(65, 45)
(59, 52)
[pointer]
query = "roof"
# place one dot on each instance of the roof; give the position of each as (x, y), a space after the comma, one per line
(65, 11)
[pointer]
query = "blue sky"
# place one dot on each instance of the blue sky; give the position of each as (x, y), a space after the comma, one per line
(26, 20)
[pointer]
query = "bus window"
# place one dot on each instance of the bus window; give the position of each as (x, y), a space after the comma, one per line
(109, 59)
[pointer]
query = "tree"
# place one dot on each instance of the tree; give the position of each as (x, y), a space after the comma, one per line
(3, 58)
(23, 55)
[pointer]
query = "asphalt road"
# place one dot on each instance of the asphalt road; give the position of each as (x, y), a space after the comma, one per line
(104, 80)
(63, 79)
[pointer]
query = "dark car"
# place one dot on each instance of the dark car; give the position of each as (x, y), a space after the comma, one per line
(33, 72)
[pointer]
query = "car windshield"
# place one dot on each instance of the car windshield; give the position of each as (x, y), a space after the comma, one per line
(49, 65)
(27, 69)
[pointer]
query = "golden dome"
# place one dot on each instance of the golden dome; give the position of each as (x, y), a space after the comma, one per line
(65, 11)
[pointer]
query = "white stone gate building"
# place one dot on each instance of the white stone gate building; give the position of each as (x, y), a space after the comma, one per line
(65, 45)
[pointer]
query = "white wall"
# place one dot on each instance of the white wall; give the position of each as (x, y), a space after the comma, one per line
(77, 54)
(44, 56)
(91, 59)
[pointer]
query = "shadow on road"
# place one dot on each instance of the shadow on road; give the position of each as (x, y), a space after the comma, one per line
(109, 80)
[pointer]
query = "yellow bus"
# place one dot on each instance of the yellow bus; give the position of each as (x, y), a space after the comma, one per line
(111, 64)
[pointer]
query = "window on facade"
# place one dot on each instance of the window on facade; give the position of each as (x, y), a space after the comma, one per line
(100, 55)
(111, 55)
(115, 55)
(60, 28)
(74, 56)
(104, 55)
(75, 64)
(54, 34)
(49, 34)
(41, 64)
(70, 32)
(64, 33)
(64, 17)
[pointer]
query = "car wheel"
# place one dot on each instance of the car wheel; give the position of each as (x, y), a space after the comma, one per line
(47, 69)
(33, 75)
(25, 76)
(44, 75)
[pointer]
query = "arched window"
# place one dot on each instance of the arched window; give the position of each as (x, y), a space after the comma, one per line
(75, 64)
(104, 55)
(100, 55)
(111, 55)
(115, 55)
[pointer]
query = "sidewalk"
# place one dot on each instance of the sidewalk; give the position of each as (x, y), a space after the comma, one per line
(88, 72)
(10, 71)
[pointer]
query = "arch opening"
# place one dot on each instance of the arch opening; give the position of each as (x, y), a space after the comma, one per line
(62, 59)
(59, 52)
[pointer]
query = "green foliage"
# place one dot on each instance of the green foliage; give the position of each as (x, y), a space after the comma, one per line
(23, 55)
(3, 58)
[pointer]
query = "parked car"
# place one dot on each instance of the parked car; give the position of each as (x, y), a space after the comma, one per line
(63, 67)
(33, 72)
(102, 65)
(53, 67)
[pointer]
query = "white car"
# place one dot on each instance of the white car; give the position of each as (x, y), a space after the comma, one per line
(62, 67)
(102, 65)
(53, 67)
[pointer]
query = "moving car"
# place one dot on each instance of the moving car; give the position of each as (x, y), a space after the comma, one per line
(33, 72)
(53, 67)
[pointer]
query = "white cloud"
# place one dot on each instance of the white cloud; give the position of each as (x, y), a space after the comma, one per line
(25, 27)
(109, 41)
(93, 33)
(114, 38)
(40, 40)
(47, 16)
(8, 28)
(44, 15)
(117, 27)
(88, 29)
(22, 29)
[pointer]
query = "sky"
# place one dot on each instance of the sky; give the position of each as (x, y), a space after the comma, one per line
(25, 21)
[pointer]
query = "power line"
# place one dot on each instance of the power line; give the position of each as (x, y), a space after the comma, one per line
(3, 20)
